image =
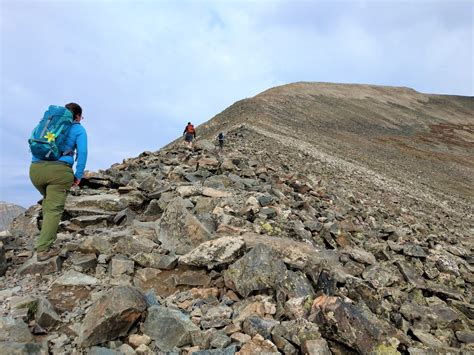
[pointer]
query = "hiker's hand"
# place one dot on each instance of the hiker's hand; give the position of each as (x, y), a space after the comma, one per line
(76, 182)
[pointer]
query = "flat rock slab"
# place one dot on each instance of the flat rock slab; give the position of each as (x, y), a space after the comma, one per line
(215, 252)
(75, 278)
(112, 315)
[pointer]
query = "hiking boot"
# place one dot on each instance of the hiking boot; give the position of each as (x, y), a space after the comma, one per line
(47, 254)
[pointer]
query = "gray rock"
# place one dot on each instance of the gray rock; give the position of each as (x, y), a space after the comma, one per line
(414, 250)
(130, 245)
(192, 278)
(410, 274)
(295, 284)
(108, 202)
(84, 262)
(427, 338)
(125, 217)
(265, 200)
(216, 317)
(220, 341)
(434, 315)
(156, 260)
(254, 325)
(465, 336)
(121, 265)
(316, 347)
(179, 230)
(313, 226)
(214, 253)
(32, 266)
(153, 209)
(169, 328)
(257, 270)
(96, 244)
(84, 221)
(361, 255)
(14, 330)
(297, 331)
(46, 316)
(75, 278)
(381, 275)
(112, 315)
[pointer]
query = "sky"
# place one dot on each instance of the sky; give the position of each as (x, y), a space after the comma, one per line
(142, 69)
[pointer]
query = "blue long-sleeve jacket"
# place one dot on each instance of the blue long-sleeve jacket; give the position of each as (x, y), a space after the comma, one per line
(76, 140)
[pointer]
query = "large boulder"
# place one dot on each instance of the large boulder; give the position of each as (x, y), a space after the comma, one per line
(214, 253)
(257, 270)
(169, 328)
(179, 230)
(112, 315)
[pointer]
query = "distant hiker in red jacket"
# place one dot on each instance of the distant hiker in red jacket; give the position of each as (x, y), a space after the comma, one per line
(189, 134)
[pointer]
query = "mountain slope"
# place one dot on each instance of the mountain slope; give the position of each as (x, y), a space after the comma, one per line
(413, 138)
(8, 212)
(285, 241)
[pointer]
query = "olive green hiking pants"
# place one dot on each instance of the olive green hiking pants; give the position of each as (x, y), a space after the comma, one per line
(52, 180)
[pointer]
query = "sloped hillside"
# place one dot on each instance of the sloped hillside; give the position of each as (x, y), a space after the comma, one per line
(414, 138)
(275, 245)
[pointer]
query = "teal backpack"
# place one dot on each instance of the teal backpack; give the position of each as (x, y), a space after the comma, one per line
(48, 138)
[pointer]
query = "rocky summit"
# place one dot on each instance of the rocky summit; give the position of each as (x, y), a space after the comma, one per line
(337, 219)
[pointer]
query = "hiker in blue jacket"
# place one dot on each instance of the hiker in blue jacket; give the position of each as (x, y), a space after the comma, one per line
(53, 179)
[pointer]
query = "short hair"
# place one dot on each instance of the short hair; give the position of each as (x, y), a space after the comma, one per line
(189, 122)
(74, 108)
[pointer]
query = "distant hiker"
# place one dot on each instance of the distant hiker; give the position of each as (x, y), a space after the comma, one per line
(189, 134)
(53, 143)
(220, 138)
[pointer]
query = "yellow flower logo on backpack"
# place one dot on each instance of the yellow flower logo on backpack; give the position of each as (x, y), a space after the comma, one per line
(50, 136)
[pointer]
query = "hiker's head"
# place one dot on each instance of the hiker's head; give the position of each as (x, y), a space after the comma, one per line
(189, 122)
(76, 110)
